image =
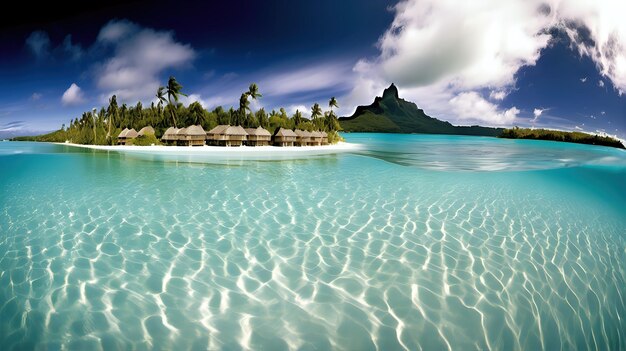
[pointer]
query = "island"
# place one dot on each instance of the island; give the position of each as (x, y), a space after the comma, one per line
(391, 114)
(157, 124)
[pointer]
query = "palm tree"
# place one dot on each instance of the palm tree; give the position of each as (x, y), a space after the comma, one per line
(111, 113)
(94, 115)
(253, 91)
(196, 112)
(160, 95)
(244, 105)
(297, 117)
(331, 118)
(333, 103)
(173, 90)
(316, 111)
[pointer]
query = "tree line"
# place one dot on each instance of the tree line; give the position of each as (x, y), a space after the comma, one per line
(101, 127)
(556, 135)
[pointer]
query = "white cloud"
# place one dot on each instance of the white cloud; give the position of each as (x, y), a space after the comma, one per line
(602, 113)
(472, 106)
(305, 111)
(537, 113)
(141, 54)
(598, 30)
(497, 94)
(191, 98)
(39, 43)
(445, 54)
(601, 83)
(306, 79)
(73, 95)
(35, 96)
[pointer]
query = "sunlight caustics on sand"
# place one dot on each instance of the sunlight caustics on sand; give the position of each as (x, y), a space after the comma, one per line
(392, 246)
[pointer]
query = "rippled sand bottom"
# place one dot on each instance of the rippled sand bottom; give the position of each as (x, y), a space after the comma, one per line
(341, 253)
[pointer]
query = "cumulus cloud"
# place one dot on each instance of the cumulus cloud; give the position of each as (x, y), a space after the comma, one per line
(601, 83)
(39, 43)
(497, 94)
(140, 55)
(73, 95)
(537, 113)
(597, 30)
(446, 54)
(305, 111)
(472, 106)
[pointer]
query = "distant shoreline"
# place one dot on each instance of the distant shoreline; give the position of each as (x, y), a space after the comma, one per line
(220, 152)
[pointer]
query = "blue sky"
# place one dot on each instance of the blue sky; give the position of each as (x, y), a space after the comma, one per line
(528, 63)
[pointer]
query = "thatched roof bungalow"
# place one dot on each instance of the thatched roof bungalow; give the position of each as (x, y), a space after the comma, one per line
(169, 137)
(121, 138)
(284, 137)
(126, 136)
(258, 136)
(192, 136)
(324, 138)
(316, 138)
(146, 130)
(216, 135)
(235, 135)
(303, 137)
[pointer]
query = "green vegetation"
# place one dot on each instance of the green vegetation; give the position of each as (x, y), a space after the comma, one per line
(102, 127)
(555, 135)
(146, 140)
(391, 114)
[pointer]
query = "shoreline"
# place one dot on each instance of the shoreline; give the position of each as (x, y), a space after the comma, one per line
(193, 153)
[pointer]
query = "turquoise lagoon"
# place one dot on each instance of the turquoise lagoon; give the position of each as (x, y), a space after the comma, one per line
(414, 242)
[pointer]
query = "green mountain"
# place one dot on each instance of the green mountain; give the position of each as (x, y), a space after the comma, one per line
(391, 114)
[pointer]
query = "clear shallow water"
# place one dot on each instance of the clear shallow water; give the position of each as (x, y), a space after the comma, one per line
(416, 242)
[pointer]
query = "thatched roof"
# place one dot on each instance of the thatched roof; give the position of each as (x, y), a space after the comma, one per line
(146, 130)
(170, 134)
(131, 134)
(181, 134)
(195, 131)
(282, 132)
(219, 129)
(316, 134)
(303, 133)
(123, 134)
(324, 135)
(235, 130)
(259, 131)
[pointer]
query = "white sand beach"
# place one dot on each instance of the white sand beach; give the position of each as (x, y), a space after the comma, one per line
(213, 153)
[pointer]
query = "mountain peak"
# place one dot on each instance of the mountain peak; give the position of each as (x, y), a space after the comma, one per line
(392, 91)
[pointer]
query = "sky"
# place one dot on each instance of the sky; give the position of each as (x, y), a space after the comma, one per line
(534, 63)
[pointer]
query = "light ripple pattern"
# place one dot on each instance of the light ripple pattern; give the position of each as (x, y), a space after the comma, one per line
(347, 252)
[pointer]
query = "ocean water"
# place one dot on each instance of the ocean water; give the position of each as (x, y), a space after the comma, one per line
(413, 242)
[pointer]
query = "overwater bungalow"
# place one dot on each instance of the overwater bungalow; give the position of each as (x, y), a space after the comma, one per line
(192, 136)
(216, 135)
(126, 136)
(146, 130)
(169, 137)
(235, 135)
(180, 136)
(284, 137)
(303, 137)
(121, 138)
(258, 136)
(316, 138)
(324, 138)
